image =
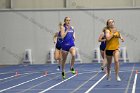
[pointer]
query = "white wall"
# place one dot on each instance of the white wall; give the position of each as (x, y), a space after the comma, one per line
(33, 4)
(37, 4)
(136, 3)
(21, 30)
(3, 4)
(99, 3)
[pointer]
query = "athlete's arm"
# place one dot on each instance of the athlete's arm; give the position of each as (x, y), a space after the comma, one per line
(63, 32)
(55, 37)
(74, 36)
(121, 38)
(73, 33)
(100, 37)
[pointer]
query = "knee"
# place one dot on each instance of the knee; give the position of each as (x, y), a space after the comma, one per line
(56, 57)
(116, 62)
(64, 58)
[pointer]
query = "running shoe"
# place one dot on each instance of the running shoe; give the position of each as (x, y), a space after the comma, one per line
(63, 75)
(102, 68)
(108, 78)
(58, 68)
(118, 78)
(72, 71)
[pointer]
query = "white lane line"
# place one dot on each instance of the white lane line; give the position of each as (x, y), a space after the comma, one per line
(128, 84)
(85, 82)
(7, 77)
(43, 83)
(11, 76)
(23, 83)
(31, 88)
(95, 84)
(134, 84)
(18, 74)
(15, 78)
(12, 71)
(57, 84)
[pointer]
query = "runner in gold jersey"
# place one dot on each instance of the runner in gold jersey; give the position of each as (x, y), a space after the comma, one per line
(112, 47)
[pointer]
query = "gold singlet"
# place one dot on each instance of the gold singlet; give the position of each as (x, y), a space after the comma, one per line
(113, 43)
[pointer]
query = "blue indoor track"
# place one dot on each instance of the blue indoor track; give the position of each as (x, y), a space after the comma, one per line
(89, 79)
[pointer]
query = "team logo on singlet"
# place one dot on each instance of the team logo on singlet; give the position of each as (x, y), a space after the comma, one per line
(71, 31)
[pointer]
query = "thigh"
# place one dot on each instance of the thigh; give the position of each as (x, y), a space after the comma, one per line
(102, 53)
(57, 53)
(64, 56)
(72, 51)
(116, 55)
(109, 59)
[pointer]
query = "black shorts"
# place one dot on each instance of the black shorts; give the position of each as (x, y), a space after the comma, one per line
(102, 48)
(58, 46)
(109, 52)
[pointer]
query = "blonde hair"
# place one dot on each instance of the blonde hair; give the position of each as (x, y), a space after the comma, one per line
(66, 18)
(108, 22)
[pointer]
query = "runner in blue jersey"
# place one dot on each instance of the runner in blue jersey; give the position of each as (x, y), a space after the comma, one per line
(68, 45)
(102, 39)
(58, 41)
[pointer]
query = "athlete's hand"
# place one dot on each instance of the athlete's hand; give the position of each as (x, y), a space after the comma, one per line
(103, 39)
(122, 39)
(116, 35)
(54, 42)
